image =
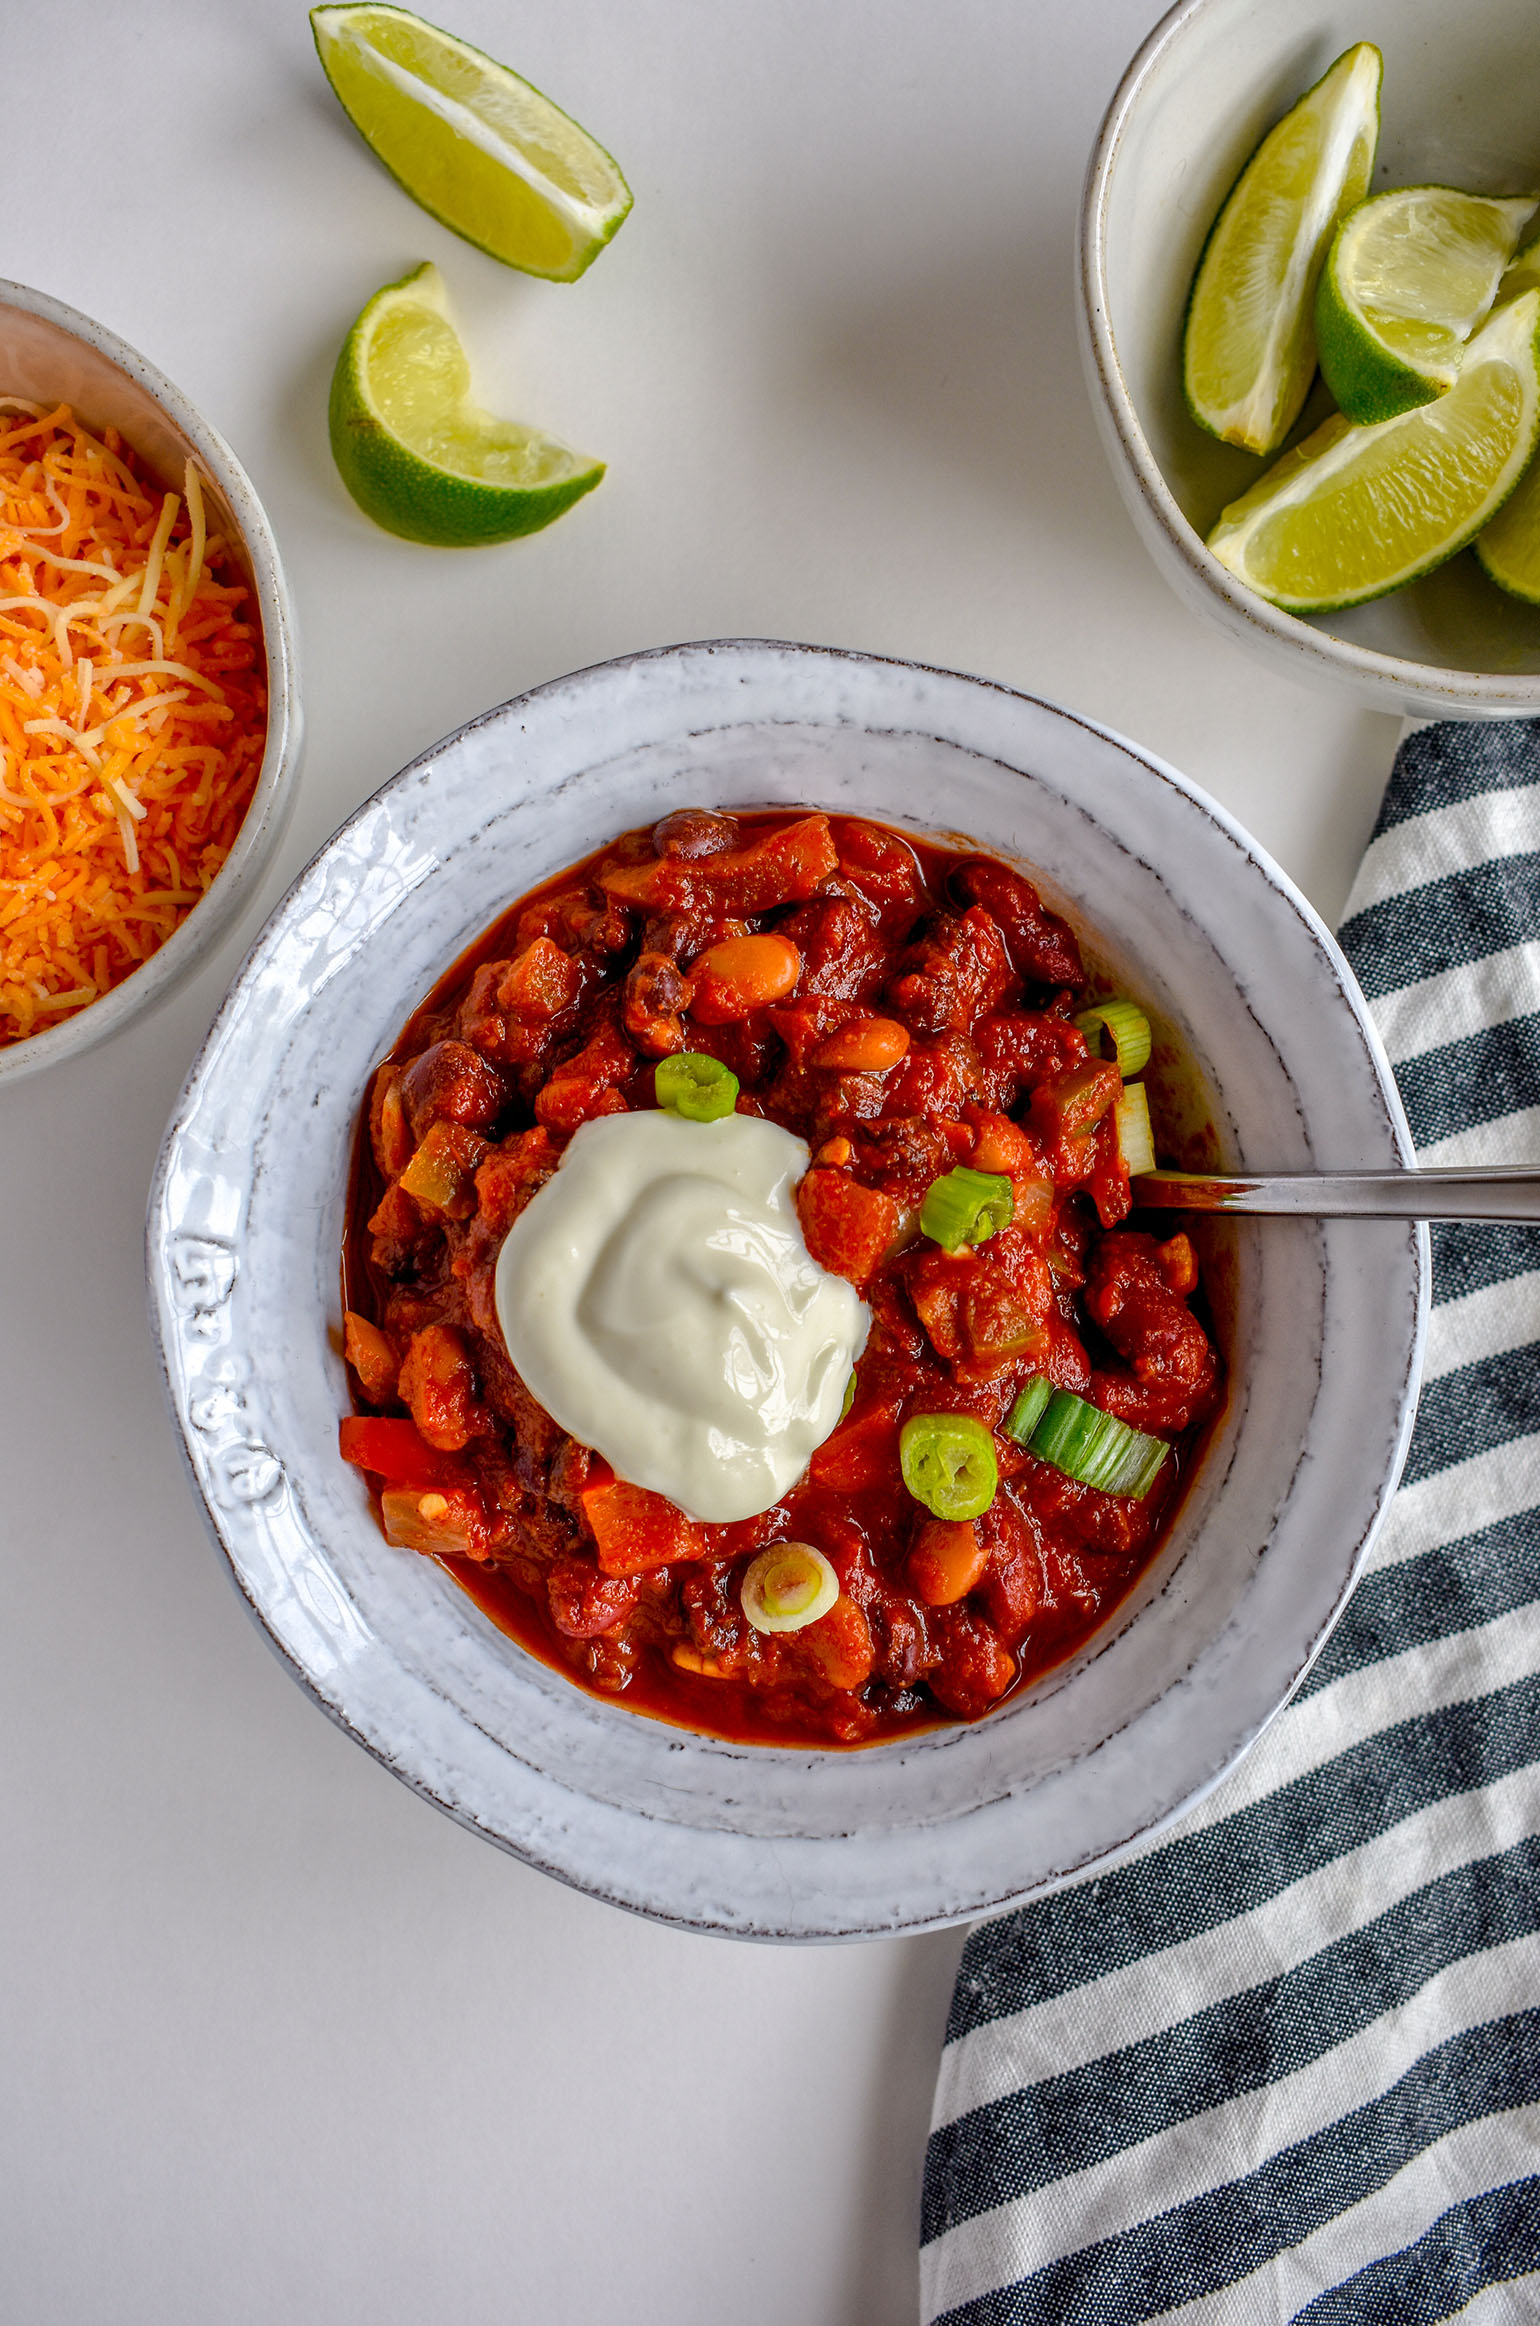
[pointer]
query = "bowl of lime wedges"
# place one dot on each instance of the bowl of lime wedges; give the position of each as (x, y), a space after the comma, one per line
(1310, 320)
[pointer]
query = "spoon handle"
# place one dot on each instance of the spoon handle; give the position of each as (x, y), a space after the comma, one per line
(1384, 1195)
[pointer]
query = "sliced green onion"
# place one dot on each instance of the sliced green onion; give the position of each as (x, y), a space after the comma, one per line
(1128, 1029)
(966, 1207)
(1096, 1447)
(948, 1462)
(850, 1394)
(788, 1587)
(1136, 1141)
(1027, 1411)
(701, 1089)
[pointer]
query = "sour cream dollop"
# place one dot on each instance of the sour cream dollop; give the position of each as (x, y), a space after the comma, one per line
(658, 1299)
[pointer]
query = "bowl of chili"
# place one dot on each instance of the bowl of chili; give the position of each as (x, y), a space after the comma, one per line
(149, 708)
(1263, 1050)
(552, 1278)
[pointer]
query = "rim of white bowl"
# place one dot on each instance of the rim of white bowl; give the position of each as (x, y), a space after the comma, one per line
(1478, 691)
(339, 1703)
(263, 824)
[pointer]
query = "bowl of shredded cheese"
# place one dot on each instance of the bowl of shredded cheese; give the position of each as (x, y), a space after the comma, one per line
(149, 711)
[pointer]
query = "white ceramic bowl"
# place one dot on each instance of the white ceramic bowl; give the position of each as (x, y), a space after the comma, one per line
(50, 353)
(1460, 105)
(246, 1220)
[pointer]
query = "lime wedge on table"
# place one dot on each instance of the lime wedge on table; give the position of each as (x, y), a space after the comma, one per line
(1354, 512)
(473, 143)
(1406, 281)
(417, 455)
(1248, 352)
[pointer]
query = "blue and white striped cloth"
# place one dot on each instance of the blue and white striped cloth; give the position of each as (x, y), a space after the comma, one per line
(1284, 2062)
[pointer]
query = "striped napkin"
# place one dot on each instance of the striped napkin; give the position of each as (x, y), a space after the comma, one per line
(1283, 2063)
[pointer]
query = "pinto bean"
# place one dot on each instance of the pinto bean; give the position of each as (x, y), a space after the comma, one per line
(438, 1384)
(864, 1045)
(946, 1561)
(743, 974)
(839, 1645)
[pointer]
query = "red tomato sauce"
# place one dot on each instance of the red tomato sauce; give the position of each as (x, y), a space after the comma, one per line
(904, 1008)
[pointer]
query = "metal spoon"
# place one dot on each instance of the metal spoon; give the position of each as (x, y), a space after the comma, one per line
(1382, 1195)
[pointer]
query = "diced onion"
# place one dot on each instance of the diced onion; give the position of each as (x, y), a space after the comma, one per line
(1126, 1027)
(1136, 1141)
(788, 1587)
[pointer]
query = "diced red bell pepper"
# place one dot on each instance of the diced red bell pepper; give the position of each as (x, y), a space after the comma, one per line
(862, 1452)
(394, 1450)
(637, 1532)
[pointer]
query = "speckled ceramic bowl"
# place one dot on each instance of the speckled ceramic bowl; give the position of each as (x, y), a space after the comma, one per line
(1324, 1334)
(1459, 107)
(50, 353)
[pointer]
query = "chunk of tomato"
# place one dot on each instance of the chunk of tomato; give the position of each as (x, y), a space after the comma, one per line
(637, 1532)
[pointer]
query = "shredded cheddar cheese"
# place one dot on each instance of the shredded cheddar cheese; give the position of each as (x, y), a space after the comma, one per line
(133, 713)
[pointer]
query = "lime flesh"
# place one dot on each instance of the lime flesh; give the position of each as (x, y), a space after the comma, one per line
(1509, 548)
(1248, 351)
(1524, 273)
(1356, 511)
(479, 148)
(416, 453)
(1407, 280)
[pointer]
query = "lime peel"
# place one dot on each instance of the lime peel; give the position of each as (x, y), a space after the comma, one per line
(416, 453)
(1248, 351)
(1354, 512)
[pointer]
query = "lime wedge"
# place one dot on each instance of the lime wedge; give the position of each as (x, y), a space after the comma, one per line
(1248, 353)
(479, 148)
(416, 454)
(1405, 283)
(1524, 273)
(1354, 512)
(1509, 549)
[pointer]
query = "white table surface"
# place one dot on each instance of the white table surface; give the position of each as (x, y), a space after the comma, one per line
(280, 2041)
